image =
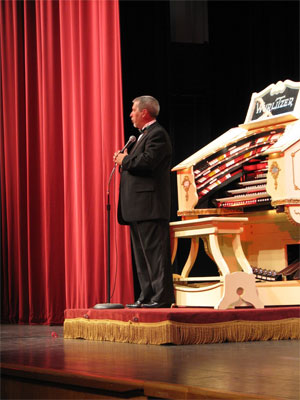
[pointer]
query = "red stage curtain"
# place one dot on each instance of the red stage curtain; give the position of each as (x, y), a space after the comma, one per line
(61, 121)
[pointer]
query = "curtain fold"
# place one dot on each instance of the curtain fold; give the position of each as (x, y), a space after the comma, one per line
(61, 111)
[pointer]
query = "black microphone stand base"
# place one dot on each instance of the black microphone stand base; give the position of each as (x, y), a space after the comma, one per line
(102, 306)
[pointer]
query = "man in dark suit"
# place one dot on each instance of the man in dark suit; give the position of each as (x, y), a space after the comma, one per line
(145, 201)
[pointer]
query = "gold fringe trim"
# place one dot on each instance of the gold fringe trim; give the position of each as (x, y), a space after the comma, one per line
(179, 332)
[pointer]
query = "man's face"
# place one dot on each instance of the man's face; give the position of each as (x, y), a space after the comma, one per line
(137, 116)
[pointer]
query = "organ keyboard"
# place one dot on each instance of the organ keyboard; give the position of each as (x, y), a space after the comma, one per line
(251, 171)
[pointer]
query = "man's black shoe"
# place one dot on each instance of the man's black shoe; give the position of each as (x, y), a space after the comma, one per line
(137, 304)
(154, 304)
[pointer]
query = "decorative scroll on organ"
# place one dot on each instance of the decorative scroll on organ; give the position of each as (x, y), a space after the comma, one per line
(252, 171)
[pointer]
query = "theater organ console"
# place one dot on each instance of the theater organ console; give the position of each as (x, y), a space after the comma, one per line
(241, 195)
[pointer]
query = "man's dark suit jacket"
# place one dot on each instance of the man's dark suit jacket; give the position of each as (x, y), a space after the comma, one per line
(145, 178)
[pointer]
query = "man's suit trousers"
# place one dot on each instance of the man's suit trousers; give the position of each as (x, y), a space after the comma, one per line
(151, 246)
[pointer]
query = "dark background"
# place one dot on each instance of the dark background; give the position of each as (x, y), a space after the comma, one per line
(203, 60)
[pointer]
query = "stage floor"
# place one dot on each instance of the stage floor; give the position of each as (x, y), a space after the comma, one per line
(268, 370)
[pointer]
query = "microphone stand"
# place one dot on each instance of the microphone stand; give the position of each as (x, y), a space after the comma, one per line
(108, 304)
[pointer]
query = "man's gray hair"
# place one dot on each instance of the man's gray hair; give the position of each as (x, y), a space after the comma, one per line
(149, 103)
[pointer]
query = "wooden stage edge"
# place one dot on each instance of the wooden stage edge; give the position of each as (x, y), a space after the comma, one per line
(44, 383)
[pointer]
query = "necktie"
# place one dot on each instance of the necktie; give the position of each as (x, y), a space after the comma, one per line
(142, 131)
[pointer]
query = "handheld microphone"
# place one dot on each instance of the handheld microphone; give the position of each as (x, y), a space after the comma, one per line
(132, 139)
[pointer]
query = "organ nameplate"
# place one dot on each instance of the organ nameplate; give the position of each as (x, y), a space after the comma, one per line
(280, 99)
